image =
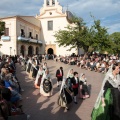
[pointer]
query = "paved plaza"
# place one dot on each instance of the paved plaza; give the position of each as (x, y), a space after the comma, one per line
(46, 108)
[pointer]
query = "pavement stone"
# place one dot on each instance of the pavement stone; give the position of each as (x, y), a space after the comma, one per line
(46, 108)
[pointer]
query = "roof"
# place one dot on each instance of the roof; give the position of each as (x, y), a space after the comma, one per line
(30, 19)
(5, 17)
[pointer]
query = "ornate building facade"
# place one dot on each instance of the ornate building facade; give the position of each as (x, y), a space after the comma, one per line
(22, 36)
(35, 35)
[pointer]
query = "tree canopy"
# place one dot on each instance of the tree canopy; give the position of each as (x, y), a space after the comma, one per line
(78, 35)
(74, 35)
(2, 28)
(100, 38)
(115, 38)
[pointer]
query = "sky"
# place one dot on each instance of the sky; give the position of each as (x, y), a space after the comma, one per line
(107, 11)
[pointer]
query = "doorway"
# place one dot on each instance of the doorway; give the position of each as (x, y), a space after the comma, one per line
(50, 51)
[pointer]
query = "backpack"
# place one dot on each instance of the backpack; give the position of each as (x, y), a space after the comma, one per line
(47, 86)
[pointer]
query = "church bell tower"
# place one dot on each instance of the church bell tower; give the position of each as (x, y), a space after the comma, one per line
(50, 3)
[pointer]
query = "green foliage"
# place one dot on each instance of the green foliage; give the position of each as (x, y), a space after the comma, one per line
(2, 28)
(100, 38)
(74, 35)
(115, 38)
(96, 38)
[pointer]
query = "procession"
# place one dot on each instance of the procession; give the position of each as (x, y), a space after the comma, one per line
(59, 60)
(71, 88)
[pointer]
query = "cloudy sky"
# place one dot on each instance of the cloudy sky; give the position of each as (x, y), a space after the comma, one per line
(108, 11)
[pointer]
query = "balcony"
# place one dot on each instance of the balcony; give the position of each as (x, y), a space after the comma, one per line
(33, 40)
(5, 38)
(22, 39)
(30, 40)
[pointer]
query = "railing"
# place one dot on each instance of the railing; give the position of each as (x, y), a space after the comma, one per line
(5, 38)
(29, 40)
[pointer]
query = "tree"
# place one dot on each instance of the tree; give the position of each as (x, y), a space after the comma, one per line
(115, 38)
(78, 35)
(100, 38)
(75, 35)
(2, 28)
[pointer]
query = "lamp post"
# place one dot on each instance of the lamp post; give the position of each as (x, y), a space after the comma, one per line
(10, 50)
(14, 51)
(0, 49)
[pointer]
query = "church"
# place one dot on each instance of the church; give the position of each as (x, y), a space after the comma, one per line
(28, 35)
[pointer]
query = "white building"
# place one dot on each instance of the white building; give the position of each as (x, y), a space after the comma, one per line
(22, 35)
(35, 35)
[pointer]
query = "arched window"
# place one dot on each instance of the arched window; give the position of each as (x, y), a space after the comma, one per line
(53, 2)
(30, 50)
(22, 50)
(37, 50)
(48, 2)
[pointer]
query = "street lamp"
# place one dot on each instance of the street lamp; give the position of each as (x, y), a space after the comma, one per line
(14, 51)
(0, 50)
(10, 50)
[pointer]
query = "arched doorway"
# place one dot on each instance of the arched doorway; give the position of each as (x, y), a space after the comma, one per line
(37, 50)
(22, 50)
(50, 51)
(30, 50)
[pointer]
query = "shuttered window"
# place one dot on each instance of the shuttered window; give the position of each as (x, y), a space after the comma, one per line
(50, 25)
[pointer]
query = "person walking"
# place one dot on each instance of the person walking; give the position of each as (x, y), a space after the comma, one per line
(59, 75)
(75, 86)
(107, 106)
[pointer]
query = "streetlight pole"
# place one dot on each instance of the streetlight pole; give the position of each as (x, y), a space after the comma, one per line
(10, 50)
(0, 48)
(14, 52)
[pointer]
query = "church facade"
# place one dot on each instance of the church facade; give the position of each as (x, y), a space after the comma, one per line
(29, 35)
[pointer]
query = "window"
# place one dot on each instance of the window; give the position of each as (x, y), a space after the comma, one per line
(53, 2)
(6, 31)
(50, 13)
(22, 33)
(30, 35)
(48, 2)
(36, 36)
(50, 25)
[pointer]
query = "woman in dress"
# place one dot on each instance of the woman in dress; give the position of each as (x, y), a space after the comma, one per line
(65, 97)
(45, 66)
(29, 64)
(35, 70)
(46, 84)
(39, 77)
(107, 106)
(84, 93)
(70, 76)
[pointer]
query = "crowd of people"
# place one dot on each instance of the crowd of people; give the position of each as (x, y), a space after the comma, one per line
(93, 62)
(71, 85)
(10, 89)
